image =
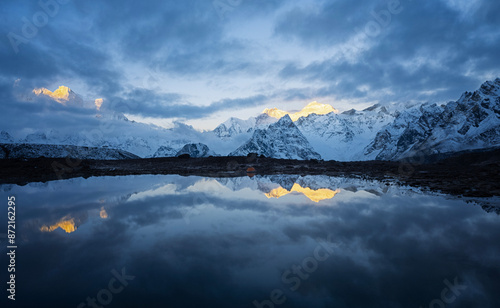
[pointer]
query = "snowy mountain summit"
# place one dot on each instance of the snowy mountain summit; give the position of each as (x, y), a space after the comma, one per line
(280, 140)
(311, 108)
(234, 126)
(62, 95)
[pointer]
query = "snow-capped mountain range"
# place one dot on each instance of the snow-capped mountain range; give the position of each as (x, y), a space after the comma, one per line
(472, 122)
(384, 132)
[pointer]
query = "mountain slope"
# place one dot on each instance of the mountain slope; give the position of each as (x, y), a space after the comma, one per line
(165, 151)
(5, 137)
(196, 150)
(24, 150)
(409, 125)
(344, 136)
(280, 140)
(235, 126)
(472, 122)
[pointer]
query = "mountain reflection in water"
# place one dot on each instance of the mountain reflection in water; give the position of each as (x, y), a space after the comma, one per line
(313, 195)
(234, 242)
(66, 223)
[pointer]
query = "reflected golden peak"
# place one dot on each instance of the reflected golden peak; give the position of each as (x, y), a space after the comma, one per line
(311, 108)
(313, 195)
(103, 213)
(66, 223)
(277, 192)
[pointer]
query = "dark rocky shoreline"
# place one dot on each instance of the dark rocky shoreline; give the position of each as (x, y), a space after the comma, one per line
(473, 174)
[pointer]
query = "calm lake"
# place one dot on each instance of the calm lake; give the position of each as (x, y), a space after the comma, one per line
(278, 241)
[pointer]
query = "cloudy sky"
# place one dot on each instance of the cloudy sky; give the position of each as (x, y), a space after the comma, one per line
(201, 61)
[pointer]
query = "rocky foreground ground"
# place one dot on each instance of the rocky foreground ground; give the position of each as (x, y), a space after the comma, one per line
(473, 174)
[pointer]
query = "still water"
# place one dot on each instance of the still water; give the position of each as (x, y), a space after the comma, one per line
(279, 241)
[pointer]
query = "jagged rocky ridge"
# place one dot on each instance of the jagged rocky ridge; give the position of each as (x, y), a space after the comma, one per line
(472, 122)
(280, 140)
(343, 136)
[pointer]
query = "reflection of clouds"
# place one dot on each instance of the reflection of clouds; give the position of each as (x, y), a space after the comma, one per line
(233, 250)
(371, 252)
(185, 197)
(169, 189)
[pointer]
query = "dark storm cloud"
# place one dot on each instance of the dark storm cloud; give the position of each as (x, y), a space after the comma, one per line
(31, 64)
(175, 37)
(344, 80)
(148, 103)
(324, 25)
(223, 59)
(41, 112)
(147, 27)
(55, 50)
(428, 51)
(464, 45)
(297, 94)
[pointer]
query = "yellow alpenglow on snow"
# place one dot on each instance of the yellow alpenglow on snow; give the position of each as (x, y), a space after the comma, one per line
(98, 103)
(103, 213)
(61, 95)
(66, 223)
(313, 195)
(311, 108)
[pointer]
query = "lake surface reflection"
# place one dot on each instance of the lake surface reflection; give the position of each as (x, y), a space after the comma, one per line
(279, 241)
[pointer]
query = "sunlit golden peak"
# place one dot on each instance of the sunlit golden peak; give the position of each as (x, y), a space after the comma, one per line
(275, 112)
(66, 223)
(313, 195)
(98, 103)
(61, 95)
(311, 108)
